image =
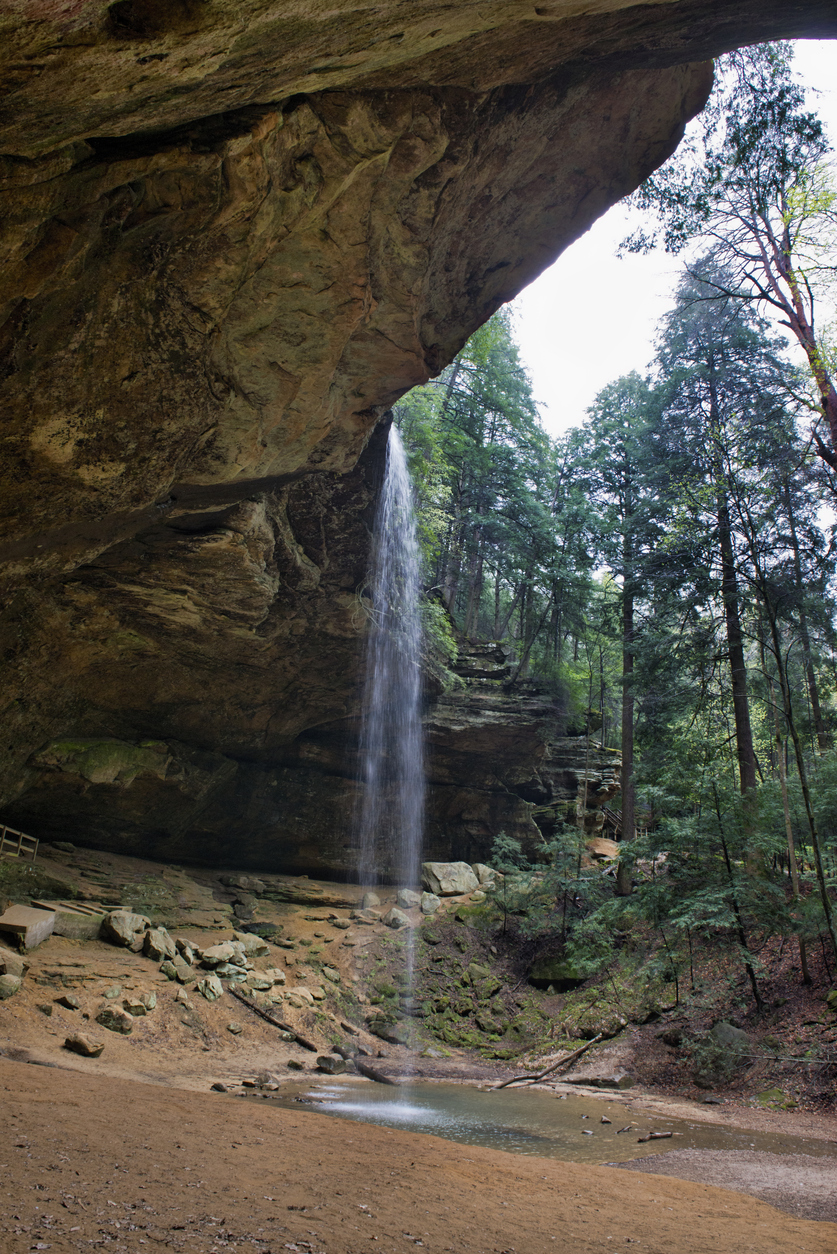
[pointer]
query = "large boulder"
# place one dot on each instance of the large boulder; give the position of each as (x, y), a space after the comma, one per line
(9, 985)
(123, 927)
(12, 963)
(85, 1045)
(158, 945)
(115, 1019)
(448, 879)
(252, 946)
(396, 919)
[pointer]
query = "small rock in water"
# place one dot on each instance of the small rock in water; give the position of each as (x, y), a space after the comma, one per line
(585, 1132)
(369, 900)
(606, 1120)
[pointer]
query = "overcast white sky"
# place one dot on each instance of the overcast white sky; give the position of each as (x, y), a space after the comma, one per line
(621, 300)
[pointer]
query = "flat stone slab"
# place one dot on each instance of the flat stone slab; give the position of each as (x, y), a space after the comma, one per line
(28, 925)
(76, 920)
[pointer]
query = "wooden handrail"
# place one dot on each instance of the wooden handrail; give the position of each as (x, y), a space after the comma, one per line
(23, 847)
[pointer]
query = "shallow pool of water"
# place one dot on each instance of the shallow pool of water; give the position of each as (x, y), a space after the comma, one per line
(538, 1123)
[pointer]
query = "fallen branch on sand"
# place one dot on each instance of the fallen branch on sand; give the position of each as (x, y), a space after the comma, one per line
(562, 1062)
(277, 1023)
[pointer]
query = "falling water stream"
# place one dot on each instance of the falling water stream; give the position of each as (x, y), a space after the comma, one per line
(390, 818)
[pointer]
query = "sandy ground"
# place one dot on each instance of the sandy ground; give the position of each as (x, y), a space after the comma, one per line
(132, 1151)
(90, 1161)
(797, 1183)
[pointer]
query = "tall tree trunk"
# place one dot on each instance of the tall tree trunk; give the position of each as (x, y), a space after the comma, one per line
(624, 872)
(453, 564)
(730, 595)
(828, 909)
(474, 585)
(735, 645)
(793, 866)
(813, 690)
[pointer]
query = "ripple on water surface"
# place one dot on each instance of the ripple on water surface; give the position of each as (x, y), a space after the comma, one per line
(536, 1123)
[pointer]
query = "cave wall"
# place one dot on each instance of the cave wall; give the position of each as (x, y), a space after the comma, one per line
(232, 236)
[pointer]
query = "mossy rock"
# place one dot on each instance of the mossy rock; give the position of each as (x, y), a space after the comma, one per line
(774, 1099)
(596, 1020)
(21, 881)
(486, 1023)
(561, 973)
(105, 761)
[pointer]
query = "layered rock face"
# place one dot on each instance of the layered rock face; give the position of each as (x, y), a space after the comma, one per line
(499, 760)
(232, 236)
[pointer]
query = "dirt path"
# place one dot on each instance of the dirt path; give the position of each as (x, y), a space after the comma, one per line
(87, 1160)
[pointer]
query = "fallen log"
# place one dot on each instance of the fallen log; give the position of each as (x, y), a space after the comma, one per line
(372, 1073)
(276, 1023)
(654, 1136)
(562, 1062)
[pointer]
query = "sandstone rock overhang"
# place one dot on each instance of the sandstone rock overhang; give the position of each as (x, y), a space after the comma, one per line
(233, 235)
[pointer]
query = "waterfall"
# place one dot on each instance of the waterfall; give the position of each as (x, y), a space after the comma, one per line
(391, 809)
